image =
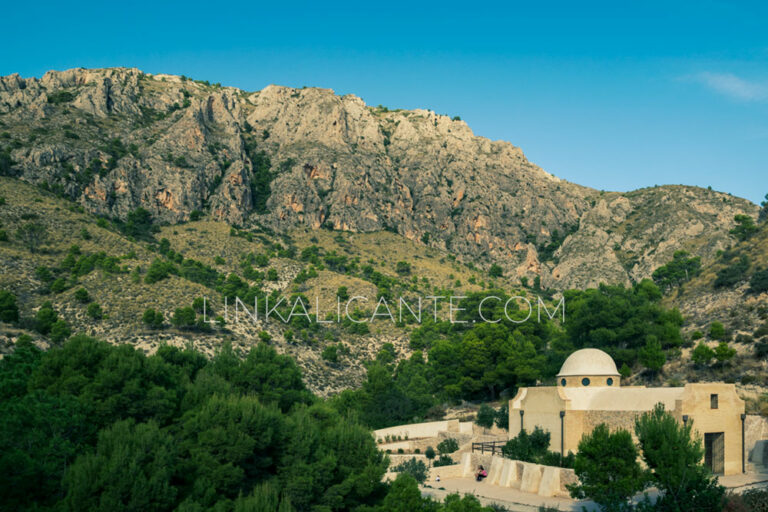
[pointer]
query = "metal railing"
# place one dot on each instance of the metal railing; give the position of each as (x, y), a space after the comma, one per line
(492, 447)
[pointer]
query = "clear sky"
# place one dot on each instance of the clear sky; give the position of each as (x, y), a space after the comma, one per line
(614, 95)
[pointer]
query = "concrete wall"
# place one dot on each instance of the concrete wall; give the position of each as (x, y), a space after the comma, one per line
(421, 444)
(726, 418)
(542, 408)
(396, 458)
(418, 430)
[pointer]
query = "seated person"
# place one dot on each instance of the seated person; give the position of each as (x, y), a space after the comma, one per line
(480, 473)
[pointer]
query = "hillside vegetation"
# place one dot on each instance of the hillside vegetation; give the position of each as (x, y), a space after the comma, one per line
(140, 282)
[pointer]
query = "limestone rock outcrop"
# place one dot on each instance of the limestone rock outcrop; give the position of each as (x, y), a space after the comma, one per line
(116, 139)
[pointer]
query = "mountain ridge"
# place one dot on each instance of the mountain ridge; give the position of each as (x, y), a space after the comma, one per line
(115, 139)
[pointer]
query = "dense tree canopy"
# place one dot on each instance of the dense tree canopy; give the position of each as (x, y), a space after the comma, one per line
(92, 426)
(681, 269)
(619, 320)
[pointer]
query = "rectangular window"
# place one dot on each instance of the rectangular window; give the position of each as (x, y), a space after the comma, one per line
(713, 401)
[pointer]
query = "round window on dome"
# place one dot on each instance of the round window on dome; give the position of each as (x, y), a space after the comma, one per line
(562, 382)
(585, 381)
(609, 381)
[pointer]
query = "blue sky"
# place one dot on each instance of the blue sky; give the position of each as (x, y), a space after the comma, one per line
(613, 95)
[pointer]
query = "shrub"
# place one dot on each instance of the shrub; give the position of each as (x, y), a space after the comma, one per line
(330, 354)
(195, 215)
(3, 235)
(652, 356)
(555, 459)
(681, 269)
(94, 311)
(429, 453)
(403, 268)
(485, 416)
(716, 331)
(755, 500)
(183, 318)
(502, 417)
(159, 270)
(44, 274)
(85, 234)
(9, 310)
(745, 227)
(527, 447)
(272, 275)
(61, 96)
(416, 468)
(702, 354)
(60, 331)
(759, 282)
(625, 371)
(443, 460)
(81, 295)
(696, 335)
(32, 235)
(6, 163)
(447, 446)
(724, 353)
(45, 318)
(732, 274)
(496, 271)
(152, 318)
(138, 224)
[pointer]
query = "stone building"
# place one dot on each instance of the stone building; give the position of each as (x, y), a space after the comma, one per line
(589, 392)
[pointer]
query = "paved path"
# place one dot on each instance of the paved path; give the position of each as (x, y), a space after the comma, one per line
(757, 478)
(513, 499)
(517, 500)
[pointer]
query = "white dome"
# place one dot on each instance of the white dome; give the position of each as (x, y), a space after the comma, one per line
(588, 361)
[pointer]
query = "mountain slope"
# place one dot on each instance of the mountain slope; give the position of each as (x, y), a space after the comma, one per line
(727, 291)
(116, 139)
(113, 268)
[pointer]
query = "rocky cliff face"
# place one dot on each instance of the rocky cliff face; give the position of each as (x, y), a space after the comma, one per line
(117, 139)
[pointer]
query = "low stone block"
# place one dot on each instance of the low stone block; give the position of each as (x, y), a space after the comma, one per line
(550, 481)
(509, 474)
(466, 465)
(494, 474)
(531, 478)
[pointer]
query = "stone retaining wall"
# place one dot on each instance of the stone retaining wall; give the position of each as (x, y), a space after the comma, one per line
(419, 430)
(545, 481)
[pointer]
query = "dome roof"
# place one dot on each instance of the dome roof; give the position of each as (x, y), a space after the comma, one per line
(588, 361)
